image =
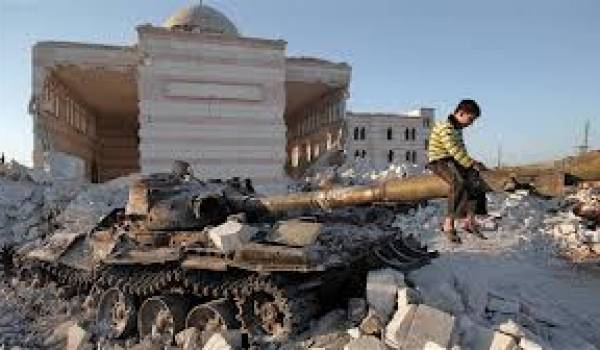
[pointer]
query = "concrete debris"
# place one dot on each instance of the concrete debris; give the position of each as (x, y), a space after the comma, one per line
(429, 325)
(231, 235)
(501, 341)
(372, 324)
(408, 296)
(397, 329)
(229, 340)
(78, 338)
(382, 291)
(366, 342)
(64, 167)
(188, 339)
(354, 332)
(528, 344)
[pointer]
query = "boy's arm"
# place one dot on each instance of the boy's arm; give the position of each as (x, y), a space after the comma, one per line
(454, 148)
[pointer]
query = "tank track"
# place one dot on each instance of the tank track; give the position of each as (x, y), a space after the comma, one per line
(270, 307)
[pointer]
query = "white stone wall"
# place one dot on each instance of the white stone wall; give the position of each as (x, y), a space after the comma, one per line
(215, 102)
(375, 146)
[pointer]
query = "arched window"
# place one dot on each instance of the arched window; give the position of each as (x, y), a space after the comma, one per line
(389, 133)
(406, 134)
(364, 153)
(413, 134)
(407, 157)
(356, 133)
(390, 156)
(414, 156)
(356, 154)
(363, 134)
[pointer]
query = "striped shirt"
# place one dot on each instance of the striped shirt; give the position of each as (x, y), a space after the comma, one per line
(446, 141)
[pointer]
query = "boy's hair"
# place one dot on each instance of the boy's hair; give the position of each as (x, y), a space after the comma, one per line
(469, 106)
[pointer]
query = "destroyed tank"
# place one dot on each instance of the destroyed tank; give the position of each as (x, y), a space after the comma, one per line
(213, 255)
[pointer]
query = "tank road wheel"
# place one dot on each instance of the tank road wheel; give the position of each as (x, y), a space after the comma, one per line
(264, 312)
(162, 317)
(214, 316)
(116, 313)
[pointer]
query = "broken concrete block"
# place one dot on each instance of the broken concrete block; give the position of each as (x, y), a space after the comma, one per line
(408, 296)
(432, 346)
(231, 235)
(502, 305)
(501, 341)
(372, 323)
(382, 291)
(354, 332)
(397, 329)
(510, 327)
(188, 339)
(357, 309)
(528, 344)
(567, 228)
(228, 340)
(429, 325)
(366, 342)
(590, 236)
(77, 338)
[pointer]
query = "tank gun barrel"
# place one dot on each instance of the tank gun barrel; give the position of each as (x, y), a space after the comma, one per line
(545, 180)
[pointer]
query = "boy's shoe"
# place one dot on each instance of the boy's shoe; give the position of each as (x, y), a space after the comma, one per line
(452, 236)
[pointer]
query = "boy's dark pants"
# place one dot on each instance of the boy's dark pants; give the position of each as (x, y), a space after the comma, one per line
(466, 195)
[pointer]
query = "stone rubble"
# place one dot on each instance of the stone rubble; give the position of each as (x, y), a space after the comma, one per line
(451, 304)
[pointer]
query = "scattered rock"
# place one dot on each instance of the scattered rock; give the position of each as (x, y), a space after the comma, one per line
(528, 344)
(78, 338)
(365, 342)
(397, 330)
(354, 332)
(408, 296)
(231, 235)
(228, 340)
(501, 341)
(372, 324)
(188, 339)
(429, 325)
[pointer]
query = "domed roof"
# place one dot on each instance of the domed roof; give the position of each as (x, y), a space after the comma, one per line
(203, 19)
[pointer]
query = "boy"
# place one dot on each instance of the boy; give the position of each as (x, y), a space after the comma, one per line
(449, 159)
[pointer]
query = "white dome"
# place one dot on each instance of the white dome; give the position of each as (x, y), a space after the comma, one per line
(203, 19)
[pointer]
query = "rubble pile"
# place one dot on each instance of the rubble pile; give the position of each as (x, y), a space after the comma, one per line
(576, 232)
(29, 203)
(359, 171)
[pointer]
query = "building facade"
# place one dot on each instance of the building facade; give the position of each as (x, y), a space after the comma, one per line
(192, 89)
(383, 138)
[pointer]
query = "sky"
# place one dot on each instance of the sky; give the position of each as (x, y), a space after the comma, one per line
(534, 66)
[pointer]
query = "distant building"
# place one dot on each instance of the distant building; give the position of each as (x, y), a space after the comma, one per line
(192, 89)
(385, 138)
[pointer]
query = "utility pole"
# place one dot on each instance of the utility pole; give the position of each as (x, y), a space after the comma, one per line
(586, 133)
(499, 153)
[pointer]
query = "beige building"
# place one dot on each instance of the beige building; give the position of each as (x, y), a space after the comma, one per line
(384, 138)
(193, 89)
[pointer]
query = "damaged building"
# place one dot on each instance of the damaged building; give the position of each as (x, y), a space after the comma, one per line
(194, 89)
